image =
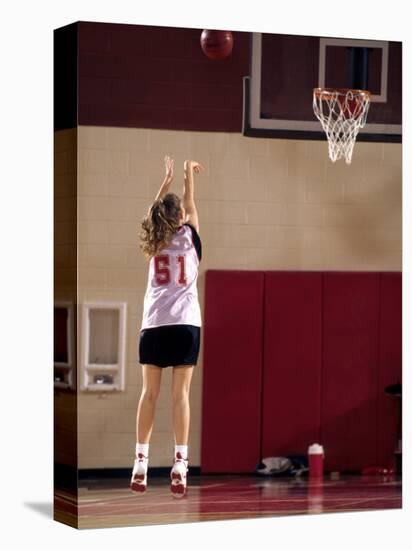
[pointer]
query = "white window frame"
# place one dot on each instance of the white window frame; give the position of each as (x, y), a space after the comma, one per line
(91, 369)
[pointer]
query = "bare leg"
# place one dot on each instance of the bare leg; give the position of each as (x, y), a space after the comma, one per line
(182, 376)
(152, 376)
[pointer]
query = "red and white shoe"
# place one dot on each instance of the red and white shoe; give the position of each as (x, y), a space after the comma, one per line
(138, 482)
(178, 476)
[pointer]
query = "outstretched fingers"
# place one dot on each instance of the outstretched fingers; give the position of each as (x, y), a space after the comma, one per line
(169, 165)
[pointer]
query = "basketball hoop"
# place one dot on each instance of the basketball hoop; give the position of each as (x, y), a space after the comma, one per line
(342, 113)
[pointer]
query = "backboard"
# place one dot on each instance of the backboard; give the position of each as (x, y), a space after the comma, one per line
(285, 69)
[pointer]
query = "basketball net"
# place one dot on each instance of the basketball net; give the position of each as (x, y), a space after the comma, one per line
(342, 114)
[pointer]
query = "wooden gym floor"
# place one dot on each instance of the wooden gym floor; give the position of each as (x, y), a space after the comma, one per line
(110, 503)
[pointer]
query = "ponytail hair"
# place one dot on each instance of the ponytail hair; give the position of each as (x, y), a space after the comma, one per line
(159, 225)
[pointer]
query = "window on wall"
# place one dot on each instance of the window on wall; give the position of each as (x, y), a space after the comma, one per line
(63, 345)
(104, 336)
(61, 350)
(103, 346)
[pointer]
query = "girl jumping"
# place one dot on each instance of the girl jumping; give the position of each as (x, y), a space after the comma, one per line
(170, 331)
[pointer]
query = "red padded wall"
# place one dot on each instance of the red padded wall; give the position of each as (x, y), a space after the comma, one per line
(232, 365)
(390, 364)
(349, 377)
(292, 362)
(296, 357)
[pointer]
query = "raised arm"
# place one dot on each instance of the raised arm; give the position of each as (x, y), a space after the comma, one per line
(164, 188)
(190, 167)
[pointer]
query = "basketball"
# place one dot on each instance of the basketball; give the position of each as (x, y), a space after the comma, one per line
(216, 44)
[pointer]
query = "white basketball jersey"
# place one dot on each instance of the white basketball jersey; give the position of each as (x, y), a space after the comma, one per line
(171, 296)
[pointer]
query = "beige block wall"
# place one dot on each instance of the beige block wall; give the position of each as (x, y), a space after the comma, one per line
(264, 204)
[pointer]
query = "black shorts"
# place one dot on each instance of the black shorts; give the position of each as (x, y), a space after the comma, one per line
(170, 345)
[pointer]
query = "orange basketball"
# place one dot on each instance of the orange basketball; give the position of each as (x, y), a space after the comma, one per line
(216, 44)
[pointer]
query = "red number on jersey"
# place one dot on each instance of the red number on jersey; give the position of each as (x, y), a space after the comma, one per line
(182, 274)
(162, 272)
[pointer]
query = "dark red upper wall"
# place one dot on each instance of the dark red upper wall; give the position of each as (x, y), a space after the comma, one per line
(158, 77)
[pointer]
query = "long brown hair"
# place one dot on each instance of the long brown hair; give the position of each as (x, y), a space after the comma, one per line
(159, 225)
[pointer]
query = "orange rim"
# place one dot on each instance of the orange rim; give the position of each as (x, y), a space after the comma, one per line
(325, 92)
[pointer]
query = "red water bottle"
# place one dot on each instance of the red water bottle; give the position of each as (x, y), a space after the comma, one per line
(316, 457)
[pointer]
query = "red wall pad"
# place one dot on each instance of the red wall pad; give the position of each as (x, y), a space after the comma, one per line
(292, 362)
(232, 369)
(350, 365)
(390, 365)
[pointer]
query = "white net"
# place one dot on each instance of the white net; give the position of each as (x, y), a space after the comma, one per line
(342, 114)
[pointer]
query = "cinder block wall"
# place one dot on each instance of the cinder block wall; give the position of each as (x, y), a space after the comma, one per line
(263, 204)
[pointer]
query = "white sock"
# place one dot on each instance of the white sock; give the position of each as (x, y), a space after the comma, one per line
(182, 449)
(142, 448)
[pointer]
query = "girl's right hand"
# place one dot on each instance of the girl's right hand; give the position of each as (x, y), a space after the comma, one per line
(194, 165)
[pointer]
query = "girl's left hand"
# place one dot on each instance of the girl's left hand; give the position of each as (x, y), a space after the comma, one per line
(169, 167)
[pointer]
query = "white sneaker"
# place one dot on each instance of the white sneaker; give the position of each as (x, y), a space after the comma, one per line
(138, 482)
(178, 476)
